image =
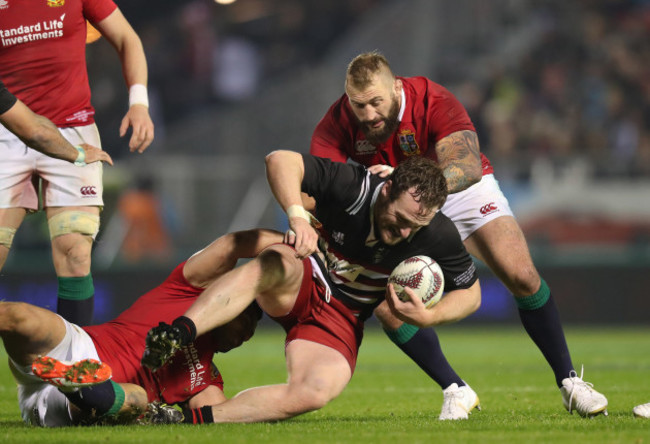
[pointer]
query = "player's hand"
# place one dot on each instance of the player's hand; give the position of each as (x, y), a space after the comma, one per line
(302, 236)
(382, 170)
(94, 154)
(142, 128)
(412, 311)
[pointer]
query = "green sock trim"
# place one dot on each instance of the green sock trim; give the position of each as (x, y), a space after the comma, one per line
(402, 334)
(537, 300)
(76, 288)
(119, 400)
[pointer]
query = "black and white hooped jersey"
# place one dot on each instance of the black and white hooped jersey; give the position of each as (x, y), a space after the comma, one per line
(358, 265)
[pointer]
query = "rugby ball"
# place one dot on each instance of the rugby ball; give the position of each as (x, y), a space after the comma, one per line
(423, 275)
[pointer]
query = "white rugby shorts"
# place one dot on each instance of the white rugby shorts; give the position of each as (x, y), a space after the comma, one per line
(472, 208)
(42, 404)
(63, 183)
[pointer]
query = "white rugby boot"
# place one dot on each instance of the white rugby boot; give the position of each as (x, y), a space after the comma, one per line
(580, 396)
(458, 402)
(642, 411)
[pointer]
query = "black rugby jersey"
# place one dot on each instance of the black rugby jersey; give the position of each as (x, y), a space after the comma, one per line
(7, 100)
(345, 195)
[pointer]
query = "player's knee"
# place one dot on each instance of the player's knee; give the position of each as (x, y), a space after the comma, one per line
(13, 315)
(7, 236)
(68, 222)
(525, 281)
(386, 318)
(309, 397)
(277, 268)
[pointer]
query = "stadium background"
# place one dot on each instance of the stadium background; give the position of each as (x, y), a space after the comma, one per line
(559, 92)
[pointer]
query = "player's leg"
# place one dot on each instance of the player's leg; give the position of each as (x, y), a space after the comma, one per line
(502, 246)
(108, 403)
(72, 230)
(28, 331)
(273, 278)
(10, 220)
(423, 347)
(72, 197)
(317, 374)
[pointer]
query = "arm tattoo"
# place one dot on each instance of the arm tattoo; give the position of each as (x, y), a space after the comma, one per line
(459, 156)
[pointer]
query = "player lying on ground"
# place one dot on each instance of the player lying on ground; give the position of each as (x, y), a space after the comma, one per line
(369, 225)
(191, 379)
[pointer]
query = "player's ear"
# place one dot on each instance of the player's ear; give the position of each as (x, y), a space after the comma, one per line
(385, 190)
(397, 86)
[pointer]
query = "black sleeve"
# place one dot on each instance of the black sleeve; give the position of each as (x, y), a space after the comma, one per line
(332, 182)
(7, 100)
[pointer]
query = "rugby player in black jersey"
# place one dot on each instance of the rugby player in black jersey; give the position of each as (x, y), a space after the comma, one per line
(323, 287)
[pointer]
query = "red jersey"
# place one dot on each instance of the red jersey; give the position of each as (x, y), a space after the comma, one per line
(121, 343)
(431, 112)
(43, 55)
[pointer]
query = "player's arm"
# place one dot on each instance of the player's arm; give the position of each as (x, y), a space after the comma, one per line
(221, 255)
(117, 30)
(459, 156)
(41, 134)
(454, 306)
(285, 171)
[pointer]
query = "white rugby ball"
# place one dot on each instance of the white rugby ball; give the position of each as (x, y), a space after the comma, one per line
(423, 275)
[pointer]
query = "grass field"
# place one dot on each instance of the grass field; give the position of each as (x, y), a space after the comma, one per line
(391, 400)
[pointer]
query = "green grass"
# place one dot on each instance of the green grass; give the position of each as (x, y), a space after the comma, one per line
(391, 400)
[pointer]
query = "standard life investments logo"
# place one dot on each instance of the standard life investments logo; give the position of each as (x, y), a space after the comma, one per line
(46, 29)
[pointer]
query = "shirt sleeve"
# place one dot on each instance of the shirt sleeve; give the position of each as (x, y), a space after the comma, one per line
(7, 100)
(328, 139)
(97, 10)
(447, 115)
(331, 182)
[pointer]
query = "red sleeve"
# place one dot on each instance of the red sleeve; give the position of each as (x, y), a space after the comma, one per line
(329, 140)
(97, 10)
(447, 115)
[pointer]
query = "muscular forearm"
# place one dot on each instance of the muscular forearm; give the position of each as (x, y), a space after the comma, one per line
(459, 156)
(38, 132)
(456, 305)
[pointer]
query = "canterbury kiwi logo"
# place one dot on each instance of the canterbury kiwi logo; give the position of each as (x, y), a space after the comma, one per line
(88, 191)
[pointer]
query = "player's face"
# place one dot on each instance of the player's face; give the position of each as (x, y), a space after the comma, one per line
(376, 108)
(397, 220)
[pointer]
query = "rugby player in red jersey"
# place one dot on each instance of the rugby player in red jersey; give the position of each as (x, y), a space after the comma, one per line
(52, 393)
(43, 63)
(381, 120)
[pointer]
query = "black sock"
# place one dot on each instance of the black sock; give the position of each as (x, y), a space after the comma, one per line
(201, 415)
(544, 328)
(77, 311)
(186, 328)
(424, 348)
(105, 398)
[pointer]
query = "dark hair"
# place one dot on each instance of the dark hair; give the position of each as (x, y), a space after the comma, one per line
(425, 176)
(364, 66)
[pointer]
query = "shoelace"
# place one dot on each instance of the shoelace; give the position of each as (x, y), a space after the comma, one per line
(579, 382)
(451, 397)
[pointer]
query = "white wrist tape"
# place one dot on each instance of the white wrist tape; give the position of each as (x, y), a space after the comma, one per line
(81, 157)
(138, 95)
(298, 211)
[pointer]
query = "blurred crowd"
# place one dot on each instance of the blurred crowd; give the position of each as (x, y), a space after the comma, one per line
(579, 96)
(203, 54)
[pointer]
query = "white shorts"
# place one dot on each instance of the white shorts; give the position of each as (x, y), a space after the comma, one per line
(477, 205)
(63, 183)
(42, 404)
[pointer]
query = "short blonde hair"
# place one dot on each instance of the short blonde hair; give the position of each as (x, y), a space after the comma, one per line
(363, 67)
